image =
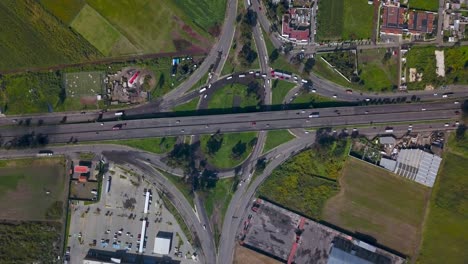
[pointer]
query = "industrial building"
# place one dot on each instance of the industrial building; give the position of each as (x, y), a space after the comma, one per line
(162, 243)
(415, 165)
(95, 256)
(292, 238)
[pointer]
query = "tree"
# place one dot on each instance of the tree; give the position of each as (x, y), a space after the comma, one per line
(288, 47)
(460, 132)
(250, 18)
(239, 149)
(274, 55)
(247, 54)
(309, 64)
(214, 143)
(208, 179)
(464, 107)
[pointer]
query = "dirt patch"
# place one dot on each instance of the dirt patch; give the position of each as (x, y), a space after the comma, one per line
(88, 100)
(200, 40)
(440, 63)
(181, 44)
(244, 255)
(215, 30)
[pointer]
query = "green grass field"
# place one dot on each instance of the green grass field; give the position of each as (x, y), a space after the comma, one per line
(357, 23)
(276, 138)
(344, 19)
(83, 83)
(445, 234)
(204, 13)
(378, 203)
(32, 37)
(158, 145)
(96, 29)
(26, 182)
(294, 186)
(184, 188)
(216, 200)
(223, 159)
(429, 5)
(279, 90)
(189, 106)
(330, 19)
(232, 96)
(65, 10)
(377, 74)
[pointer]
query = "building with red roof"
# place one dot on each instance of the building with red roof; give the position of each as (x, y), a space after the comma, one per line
(421, 22)
(296, 24)
(398, 20)
(393, 20)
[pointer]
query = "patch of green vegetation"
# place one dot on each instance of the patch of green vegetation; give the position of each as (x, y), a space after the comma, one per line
(312, 99)
(276, 138)
(34, 37)
(378, 70)
(189, 106)
(424, 61)
(279, 90)
(152, 26)
(322, 69)
(208, 14)
(65, 10)
(19, 182)
(171, 208)
(360, 26)
(343, 61)
(87, 155)
(158, 145)
(184, 187)
(218, 198)
(378, 203)
(445, 234)
(429, 5)
(96, 29)
(295, 187)
(35, 241)
(233, 96)
(233, 148)
(330, 19)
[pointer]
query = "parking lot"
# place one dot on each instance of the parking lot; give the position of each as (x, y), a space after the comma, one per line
(115, 222)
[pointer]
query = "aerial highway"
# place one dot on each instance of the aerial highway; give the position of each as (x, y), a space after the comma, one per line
(257, 121)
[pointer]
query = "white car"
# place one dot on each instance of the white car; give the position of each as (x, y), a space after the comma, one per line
(446, 124)
(423, 109)
(334, 96)
(367, 99)
(314, 91)
(456, 102)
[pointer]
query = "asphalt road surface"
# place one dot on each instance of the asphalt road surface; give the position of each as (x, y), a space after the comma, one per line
(258, 121)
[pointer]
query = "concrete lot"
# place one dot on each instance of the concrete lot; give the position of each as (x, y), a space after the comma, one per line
(122, 209)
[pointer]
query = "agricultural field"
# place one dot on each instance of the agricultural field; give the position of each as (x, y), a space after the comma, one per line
(207, 14)
(30, 242)
(276, 138)
(100, 33)
(423, 60)
(279, 90)
(65, 10)
(38, 187)
(445, 234)
(224, 157)
(428, 5)
(377, 203)
(233, 96)
(294, 186)
(31, 42)
(344, 20)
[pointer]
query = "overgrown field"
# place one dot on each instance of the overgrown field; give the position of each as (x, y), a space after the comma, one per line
(429, 5)
(445, 234)
(375, 202)
(65, 10)
(158, 145)
(207, 14)
(344, 19)
(307, 180)
(32, 37)
(29, 242)
(37, 187)
(235, 96)
(227, 150)
(377, 69)
(424, 61)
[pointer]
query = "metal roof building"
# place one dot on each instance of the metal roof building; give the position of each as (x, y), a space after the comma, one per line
(162, 243)
(418, 166)
(387, 164)
(387, 141)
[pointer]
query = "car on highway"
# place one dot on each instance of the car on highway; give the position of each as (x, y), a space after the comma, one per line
(335, 96)
(349, 91)
(446, 124)
(118, 126)
(367, 99)
(314, 90)
(457, 112)
(456, 102)
(253, 123)
(423, 109)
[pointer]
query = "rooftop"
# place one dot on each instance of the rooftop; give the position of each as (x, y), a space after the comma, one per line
(393, 20)
(162, 243)
(418, 166)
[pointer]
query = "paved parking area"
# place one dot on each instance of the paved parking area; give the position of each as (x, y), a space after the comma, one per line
(115, 222)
